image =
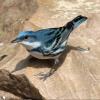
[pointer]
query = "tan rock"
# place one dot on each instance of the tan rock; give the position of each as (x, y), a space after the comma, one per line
(18, 85)
(78, 75)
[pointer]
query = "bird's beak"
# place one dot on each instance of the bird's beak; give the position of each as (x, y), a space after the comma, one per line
(15, 41)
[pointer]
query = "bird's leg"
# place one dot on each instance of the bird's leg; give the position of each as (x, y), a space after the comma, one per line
(83, 49)
(44, 76)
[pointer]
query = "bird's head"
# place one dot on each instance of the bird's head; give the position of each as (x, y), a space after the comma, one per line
(78, 20)
(27, 39)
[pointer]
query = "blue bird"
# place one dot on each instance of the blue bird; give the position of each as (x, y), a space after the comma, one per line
(48, 43)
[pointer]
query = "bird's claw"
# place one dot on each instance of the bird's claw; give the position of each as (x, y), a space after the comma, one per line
(43, 76)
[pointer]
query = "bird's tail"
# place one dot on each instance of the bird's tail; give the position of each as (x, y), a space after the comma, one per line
(76, 22)
(70, 26)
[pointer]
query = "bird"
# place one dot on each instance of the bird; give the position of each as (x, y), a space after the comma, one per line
(49, 43)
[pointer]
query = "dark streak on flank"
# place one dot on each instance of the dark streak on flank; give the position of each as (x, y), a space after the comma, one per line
(58, 36)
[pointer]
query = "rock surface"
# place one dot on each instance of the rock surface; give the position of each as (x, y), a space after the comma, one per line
(18, 85)
(78, 75)
(13, 15)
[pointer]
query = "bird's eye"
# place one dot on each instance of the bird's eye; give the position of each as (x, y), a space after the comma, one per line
(26, 37)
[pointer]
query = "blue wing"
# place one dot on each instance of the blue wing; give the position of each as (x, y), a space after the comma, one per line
(53, 40)
(50, 36)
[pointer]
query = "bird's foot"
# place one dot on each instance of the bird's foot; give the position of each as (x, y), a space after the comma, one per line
(83, 49)
(44, 76)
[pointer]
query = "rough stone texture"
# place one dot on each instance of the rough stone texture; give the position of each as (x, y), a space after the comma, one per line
(78, 75)
(18, 85)
(8, 96)
(13, 15)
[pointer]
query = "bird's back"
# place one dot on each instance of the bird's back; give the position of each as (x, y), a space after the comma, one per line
(53, 40)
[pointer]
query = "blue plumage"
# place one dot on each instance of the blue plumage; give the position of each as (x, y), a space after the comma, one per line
(48, 43)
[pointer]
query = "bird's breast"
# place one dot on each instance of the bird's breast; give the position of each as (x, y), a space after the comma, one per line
(37, 55)
(41, 56)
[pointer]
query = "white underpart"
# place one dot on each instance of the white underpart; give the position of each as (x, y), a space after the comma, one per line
(30, 46)
(36, 44)
(38, 55)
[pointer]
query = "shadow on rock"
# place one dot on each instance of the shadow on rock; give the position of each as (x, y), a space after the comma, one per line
(38, 63)
(18, 85)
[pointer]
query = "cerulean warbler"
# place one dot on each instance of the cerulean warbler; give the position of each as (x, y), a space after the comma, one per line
(48, 43)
